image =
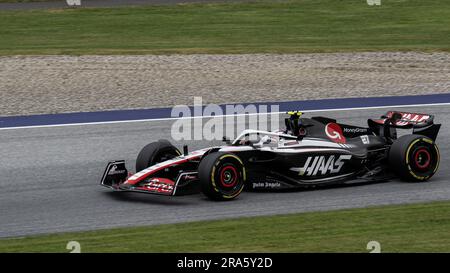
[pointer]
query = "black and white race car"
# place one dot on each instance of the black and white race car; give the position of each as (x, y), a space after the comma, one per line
(309, 152)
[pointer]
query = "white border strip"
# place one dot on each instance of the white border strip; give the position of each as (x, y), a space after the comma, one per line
(219, 116)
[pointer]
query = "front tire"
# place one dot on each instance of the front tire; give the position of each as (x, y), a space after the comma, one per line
(414, 157)
(222, 176)
(154, 153)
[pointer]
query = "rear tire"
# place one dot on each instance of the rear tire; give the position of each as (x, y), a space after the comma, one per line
(222, 176)
(414, 157)
(154, 153)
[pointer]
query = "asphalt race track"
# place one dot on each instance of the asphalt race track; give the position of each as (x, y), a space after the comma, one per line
(50, 180)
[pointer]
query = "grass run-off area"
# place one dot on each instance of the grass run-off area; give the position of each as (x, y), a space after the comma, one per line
(27, 1)
(400, 228)
(255, 27)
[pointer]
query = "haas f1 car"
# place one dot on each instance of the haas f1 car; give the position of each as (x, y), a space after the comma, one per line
(309, 152)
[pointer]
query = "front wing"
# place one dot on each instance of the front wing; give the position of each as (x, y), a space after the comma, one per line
(116, 177)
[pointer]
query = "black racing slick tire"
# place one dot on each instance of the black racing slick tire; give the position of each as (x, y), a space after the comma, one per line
(414, 157)
(154, 153)
(222, 176)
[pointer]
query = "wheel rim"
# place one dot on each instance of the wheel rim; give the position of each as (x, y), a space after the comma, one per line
(228, 176)
(422, 158)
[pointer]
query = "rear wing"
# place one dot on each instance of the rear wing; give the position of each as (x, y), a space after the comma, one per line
(405, 120)
(402, 119)
(422, 124)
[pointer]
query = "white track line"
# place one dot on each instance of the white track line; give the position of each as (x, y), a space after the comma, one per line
(219, 116)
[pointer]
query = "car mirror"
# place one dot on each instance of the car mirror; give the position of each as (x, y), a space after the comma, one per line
(226, 140)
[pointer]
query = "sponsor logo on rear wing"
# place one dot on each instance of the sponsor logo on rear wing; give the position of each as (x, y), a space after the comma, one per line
(408, 118)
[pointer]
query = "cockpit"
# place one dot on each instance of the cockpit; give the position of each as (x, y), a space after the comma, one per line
(294, 125)
(259, 138)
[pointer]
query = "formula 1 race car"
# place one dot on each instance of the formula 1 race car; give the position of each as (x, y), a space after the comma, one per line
(309, 152)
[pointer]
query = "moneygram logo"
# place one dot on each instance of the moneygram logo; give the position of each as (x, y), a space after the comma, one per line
(213, 122)
(334, 132)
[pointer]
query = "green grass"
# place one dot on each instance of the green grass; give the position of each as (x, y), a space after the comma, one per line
(400, 228)
(27, 1)
(275, 27)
